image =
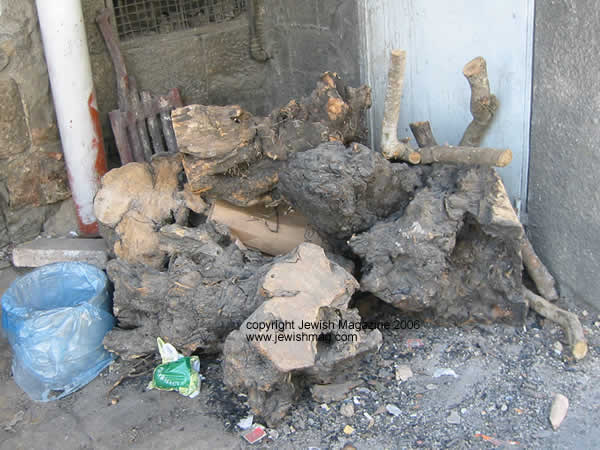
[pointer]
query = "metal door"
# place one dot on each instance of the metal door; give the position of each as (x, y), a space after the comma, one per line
(440, 36)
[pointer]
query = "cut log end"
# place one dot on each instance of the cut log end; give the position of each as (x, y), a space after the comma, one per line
(423, 134)
(505, 158)
(398, 53)
(413, 158)
(475, 67)
(402, 152)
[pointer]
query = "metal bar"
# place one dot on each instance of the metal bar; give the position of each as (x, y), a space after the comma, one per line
(68, 59)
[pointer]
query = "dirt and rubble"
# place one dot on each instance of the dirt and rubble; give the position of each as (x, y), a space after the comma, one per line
(506, 378)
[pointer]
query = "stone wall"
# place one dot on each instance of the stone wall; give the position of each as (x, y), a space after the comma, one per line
(210, 64)
(306, 38)
(32, 172)
(564, 200)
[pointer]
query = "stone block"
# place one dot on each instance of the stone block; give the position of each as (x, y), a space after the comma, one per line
(230, 70)
(36, 178)
(181, 64)
(25, 223)
(40, 252)
(14, 134)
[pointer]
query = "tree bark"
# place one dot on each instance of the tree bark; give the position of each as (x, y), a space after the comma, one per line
(423, 134)
(466, 155)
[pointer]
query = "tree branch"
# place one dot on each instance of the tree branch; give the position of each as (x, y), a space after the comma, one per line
(466, 155)
(483, 103)
(391, 147)
(544, 281)
(423, 134)
(567, 320)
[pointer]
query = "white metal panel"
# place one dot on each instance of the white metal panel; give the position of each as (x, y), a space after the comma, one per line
(440, 38)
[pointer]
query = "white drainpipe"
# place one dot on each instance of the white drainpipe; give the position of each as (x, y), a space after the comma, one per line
(68, 60)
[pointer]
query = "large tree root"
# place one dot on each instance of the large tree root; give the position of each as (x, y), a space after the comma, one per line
(454, 252)
(346, 190)
(271, 371)
(567, 320)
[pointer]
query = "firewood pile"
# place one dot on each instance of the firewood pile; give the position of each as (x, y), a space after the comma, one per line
(260, 225)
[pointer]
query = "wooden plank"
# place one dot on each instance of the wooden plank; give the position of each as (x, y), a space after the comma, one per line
(153, 123)
(112, 43)
(134, 138)
(136, 107)
(119, 128)
(165, 107)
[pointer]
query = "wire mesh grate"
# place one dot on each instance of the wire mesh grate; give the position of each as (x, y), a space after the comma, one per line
(147, 17)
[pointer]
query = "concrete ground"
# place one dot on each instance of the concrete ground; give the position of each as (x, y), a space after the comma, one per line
(500, 398)
(87, 419)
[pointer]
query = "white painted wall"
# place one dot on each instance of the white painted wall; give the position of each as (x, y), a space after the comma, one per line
(440, 37)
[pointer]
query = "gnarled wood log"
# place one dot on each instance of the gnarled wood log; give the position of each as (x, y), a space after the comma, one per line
(271, 372)
(454, 252)
(210, 287)
(346, 190)
(134, 202)
(231, 155)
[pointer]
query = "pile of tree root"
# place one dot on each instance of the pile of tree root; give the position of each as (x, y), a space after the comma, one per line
(430, 230)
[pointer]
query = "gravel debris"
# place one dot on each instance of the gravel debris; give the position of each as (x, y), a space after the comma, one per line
(506, 379)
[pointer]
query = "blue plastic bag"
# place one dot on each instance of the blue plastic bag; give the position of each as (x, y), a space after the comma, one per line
(55, 319)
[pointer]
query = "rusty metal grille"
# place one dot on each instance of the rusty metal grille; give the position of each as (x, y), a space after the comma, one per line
(148, 17)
